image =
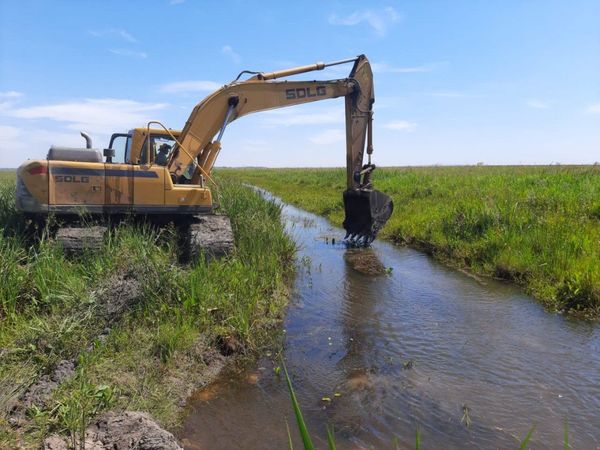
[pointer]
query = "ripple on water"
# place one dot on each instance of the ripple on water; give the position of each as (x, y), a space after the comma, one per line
(414, 346)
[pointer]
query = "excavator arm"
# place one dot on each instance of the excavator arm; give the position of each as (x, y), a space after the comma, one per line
(210, 117)
(199, 142)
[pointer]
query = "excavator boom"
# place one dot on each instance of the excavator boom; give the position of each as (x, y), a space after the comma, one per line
(366, 210)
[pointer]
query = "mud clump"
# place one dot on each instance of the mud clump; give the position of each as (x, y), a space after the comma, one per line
(121, 292)
(40, 393)
(55, 442)
(196, 369)
(211, 236)
(364, 261)
(229, 345)
(127, 430)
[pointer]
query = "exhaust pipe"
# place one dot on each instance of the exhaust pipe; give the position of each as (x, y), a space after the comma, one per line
(88, 139)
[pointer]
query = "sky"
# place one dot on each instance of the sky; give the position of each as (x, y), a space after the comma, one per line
(456, 82)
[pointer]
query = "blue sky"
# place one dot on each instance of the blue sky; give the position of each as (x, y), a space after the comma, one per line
(456, 82)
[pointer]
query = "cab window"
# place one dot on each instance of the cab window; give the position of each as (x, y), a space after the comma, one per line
(160, 149)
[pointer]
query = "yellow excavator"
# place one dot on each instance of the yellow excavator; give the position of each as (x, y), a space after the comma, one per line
(164, 174)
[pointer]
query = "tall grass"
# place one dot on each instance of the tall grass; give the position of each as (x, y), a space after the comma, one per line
(49, 305)
(538, 226)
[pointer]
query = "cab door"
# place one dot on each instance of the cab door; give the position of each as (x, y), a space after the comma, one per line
(149, 188)
(149, 179)
(119, 185)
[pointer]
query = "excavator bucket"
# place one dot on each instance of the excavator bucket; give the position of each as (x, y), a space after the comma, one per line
(366, 212)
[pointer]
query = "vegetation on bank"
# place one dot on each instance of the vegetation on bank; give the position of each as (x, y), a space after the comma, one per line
(538, 226)
(146, 359)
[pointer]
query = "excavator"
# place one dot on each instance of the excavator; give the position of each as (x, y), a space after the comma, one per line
(165, 174)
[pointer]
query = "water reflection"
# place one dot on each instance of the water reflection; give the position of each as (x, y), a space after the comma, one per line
(414, 347)
(358, 367)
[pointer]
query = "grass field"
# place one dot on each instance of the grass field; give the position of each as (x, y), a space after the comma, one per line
(537, 226)
(49, 304)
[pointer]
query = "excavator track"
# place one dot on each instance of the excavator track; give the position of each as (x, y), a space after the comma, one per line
(209, 236)
(80, 239)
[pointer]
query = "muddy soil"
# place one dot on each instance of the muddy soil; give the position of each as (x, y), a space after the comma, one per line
(40, 393)
(127, 430)
(211, 236)
(117, 295)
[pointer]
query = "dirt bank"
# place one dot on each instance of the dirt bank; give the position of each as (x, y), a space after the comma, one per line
(122, 431)
(195, 368)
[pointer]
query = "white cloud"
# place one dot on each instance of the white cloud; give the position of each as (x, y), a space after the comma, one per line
(11, 94)
(594, 108)
(379, 20)
(128, 53)
(330, 136)
(537, 104)
(288, 117)
(9, 98)
(401, 125)
(18, 144)
(190, 86)
(113, 33)
(386, 68)
(105, 115)
(227, 50)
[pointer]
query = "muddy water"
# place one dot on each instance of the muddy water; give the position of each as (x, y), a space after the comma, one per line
(379, 353)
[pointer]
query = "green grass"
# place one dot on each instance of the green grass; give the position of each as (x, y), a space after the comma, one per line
(49, 304)
(537, 226)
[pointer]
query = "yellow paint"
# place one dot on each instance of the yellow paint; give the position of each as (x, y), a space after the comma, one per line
(139, 182)
(49, 185)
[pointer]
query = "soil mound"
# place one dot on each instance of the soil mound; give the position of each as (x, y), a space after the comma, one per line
(122, 431)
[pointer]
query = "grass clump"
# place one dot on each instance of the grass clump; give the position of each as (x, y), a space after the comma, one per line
(538, 226)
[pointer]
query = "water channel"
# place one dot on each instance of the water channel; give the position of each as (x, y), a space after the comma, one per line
(470, 363)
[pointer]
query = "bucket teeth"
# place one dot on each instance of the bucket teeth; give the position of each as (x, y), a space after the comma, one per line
(359, 239)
